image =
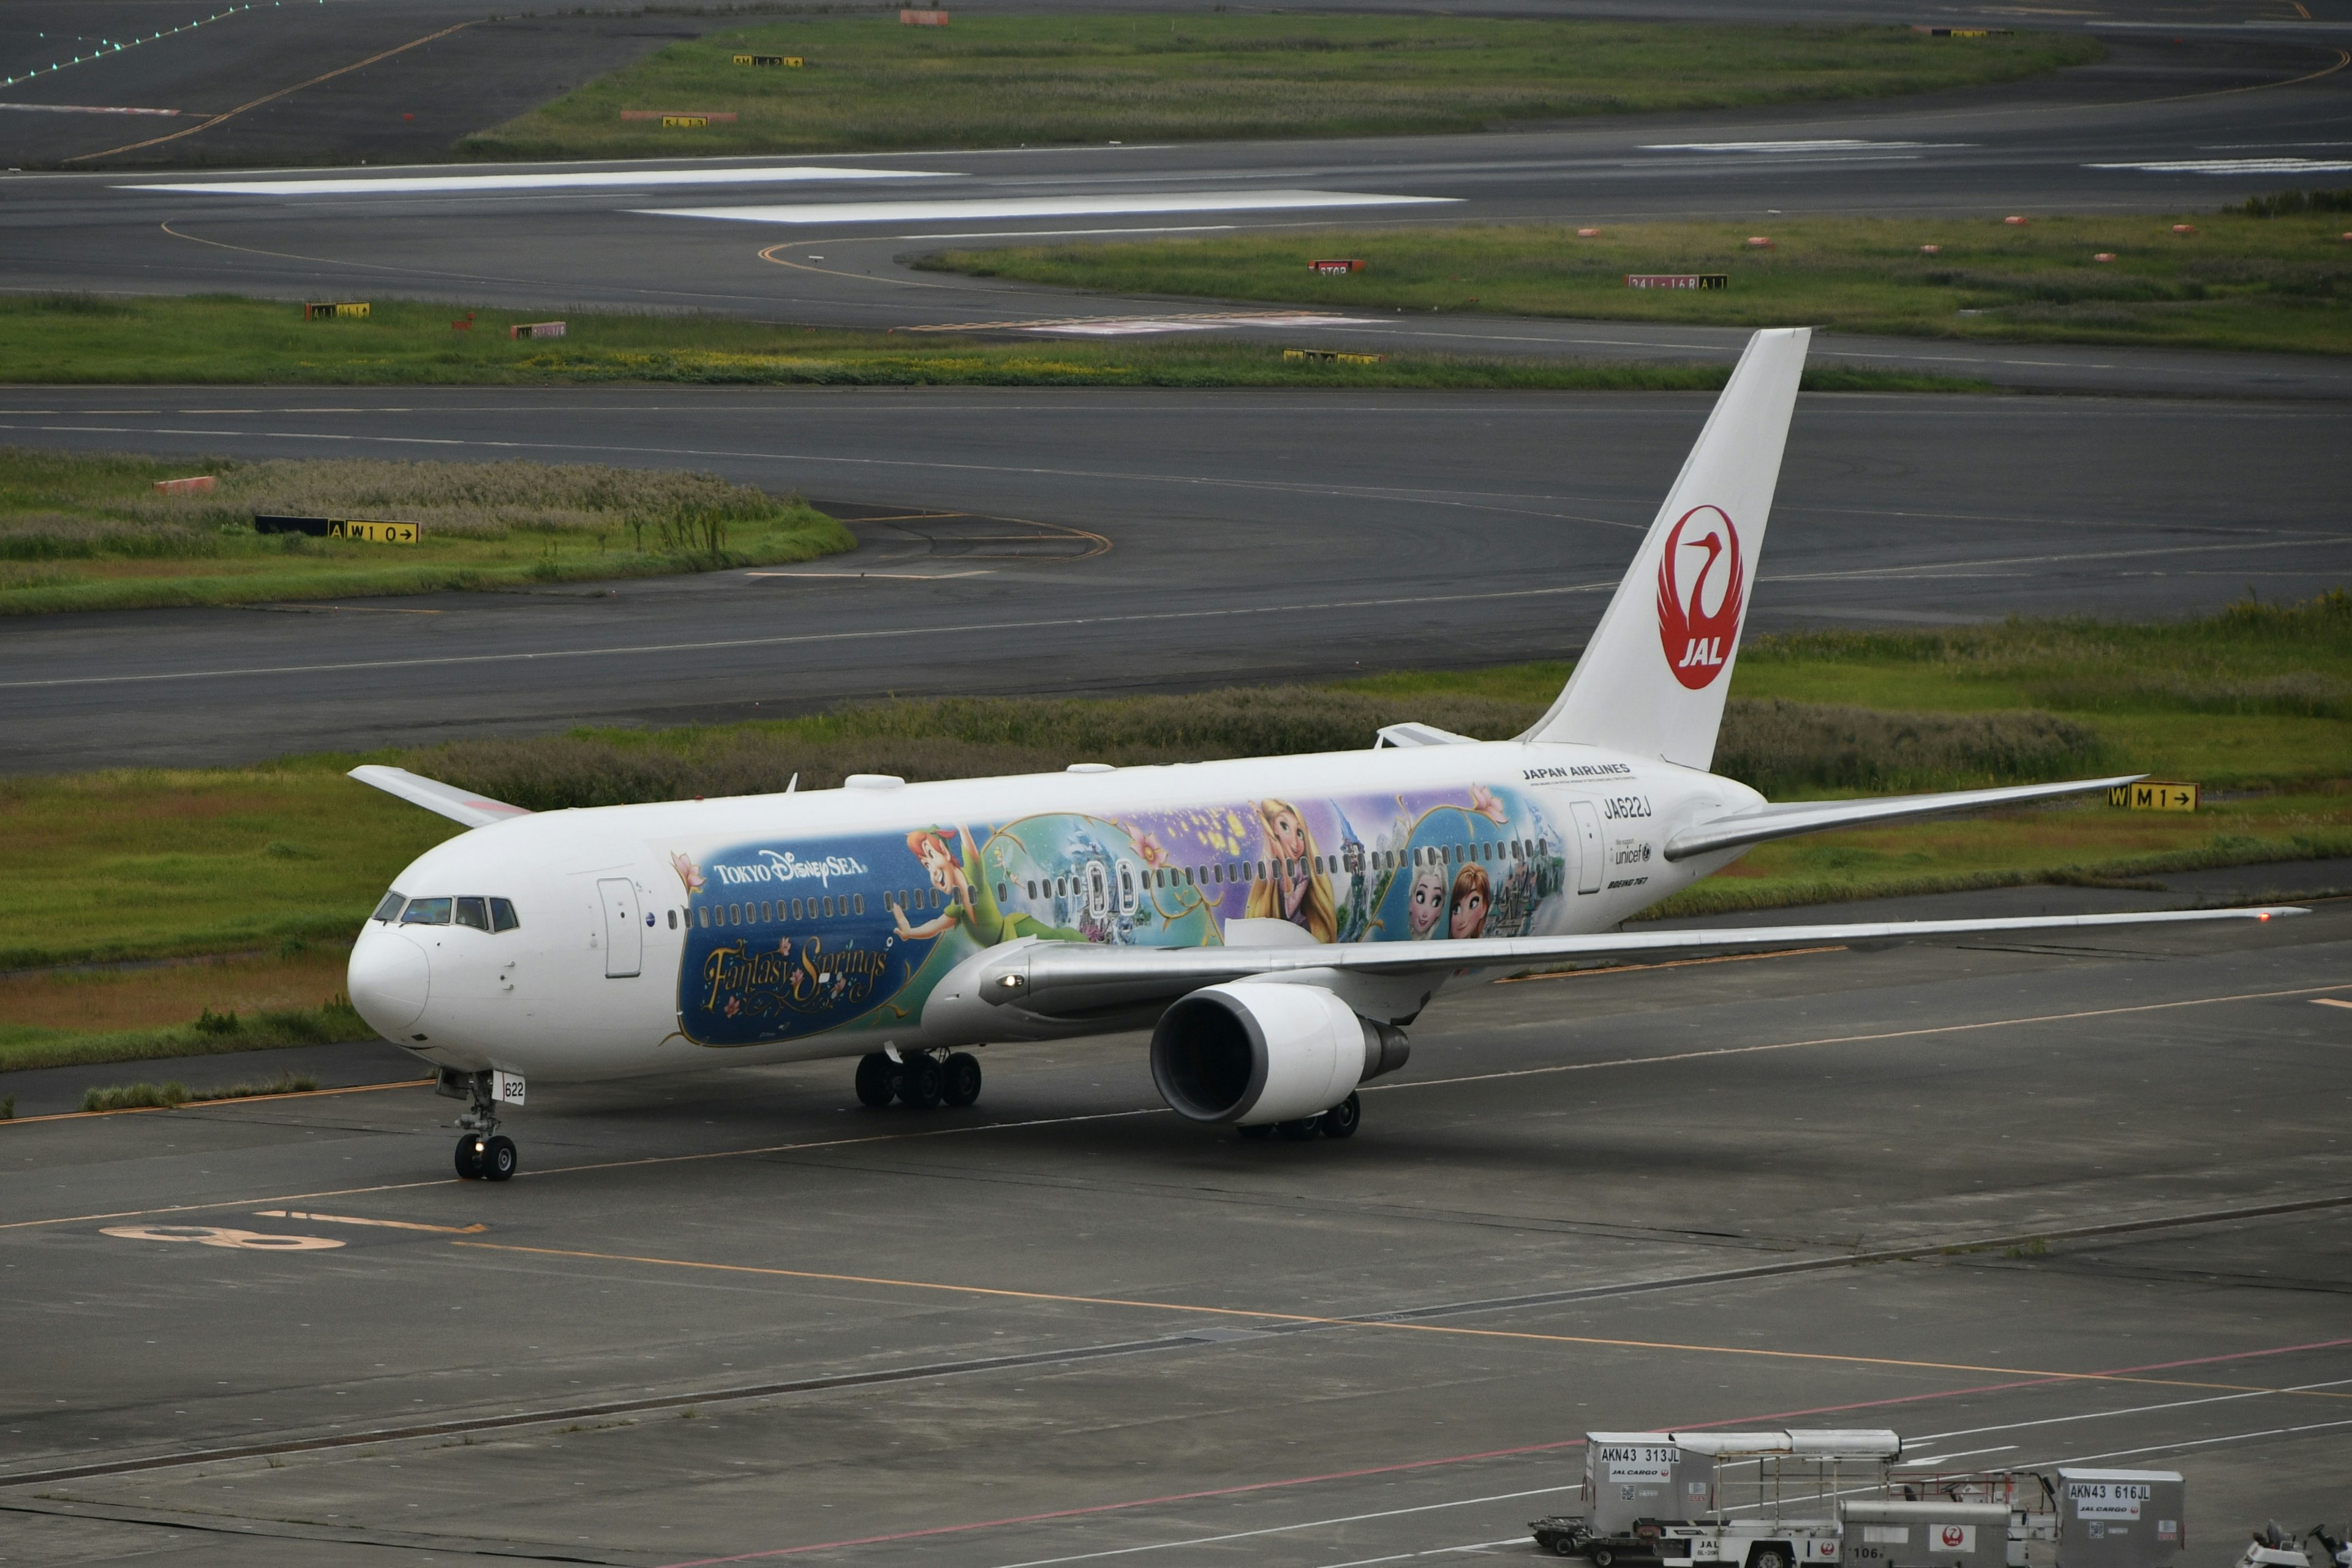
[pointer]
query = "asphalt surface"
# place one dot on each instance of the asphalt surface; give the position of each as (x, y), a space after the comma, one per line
(1251, 536)
(2024, 1204)
(2222, 111)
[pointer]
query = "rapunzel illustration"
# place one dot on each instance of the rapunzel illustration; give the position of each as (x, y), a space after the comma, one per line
(1296, 891)
(1474, 895)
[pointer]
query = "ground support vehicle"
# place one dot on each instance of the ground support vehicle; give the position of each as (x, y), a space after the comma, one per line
(1745, 1500)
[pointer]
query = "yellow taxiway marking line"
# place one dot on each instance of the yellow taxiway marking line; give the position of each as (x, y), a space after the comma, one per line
(2330, 1002)
(1143, 1110)
(1667, 963)
(1312, 1319)
(385, 1223)
(207, 1104)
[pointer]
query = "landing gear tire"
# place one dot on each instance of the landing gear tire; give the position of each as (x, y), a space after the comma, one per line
(1257, 1130)
(959, 1078)
(470, 1149)
(1341, 1122)
(874, 1088)
(500, 1159)
(1300, 1131)
(920, 1082)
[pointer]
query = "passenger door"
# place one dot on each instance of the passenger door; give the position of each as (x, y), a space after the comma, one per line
(625, 939)
(1588, 862)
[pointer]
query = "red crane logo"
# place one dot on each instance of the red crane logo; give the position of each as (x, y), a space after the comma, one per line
(1701, 562)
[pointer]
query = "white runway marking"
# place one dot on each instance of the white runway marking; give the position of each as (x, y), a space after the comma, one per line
(1288, 1529)
(2237, 167)
(1837, 144)
(574, 180)
(1046, 207)
(1129, 326)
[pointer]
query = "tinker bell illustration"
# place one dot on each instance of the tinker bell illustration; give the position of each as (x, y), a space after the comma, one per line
(1297, 893)
(966, 900)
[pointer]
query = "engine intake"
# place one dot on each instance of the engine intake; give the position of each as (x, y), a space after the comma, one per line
(1250, 1052)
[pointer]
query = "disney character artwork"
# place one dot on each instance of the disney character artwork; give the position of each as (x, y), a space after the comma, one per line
(790, 940)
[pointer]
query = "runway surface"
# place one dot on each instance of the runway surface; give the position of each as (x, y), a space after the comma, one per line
(1251, 536)
(2168, 122)
(2022, 1203)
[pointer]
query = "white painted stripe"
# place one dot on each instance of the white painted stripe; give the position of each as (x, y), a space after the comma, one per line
(1838, 144)
(1045, 206)
(2237, 167)
(576, 179)
(82, 108)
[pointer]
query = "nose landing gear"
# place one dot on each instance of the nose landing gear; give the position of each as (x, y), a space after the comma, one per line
(484, 1153)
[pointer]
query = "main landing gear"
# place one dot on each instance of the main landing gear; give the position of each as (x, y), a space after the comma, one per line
(1340, 1121)
(920, 1079)
(484, 1153)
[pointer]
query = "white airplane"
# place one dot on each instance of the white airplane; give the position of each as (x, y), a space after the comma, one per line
(1274, 920)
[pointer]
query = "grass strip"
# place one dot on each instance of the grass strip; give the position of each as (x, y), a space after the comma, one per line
(88, 530)
(164, 1096)
(222, 340)
(2280, 283)
(866, 83)
(2252, 703)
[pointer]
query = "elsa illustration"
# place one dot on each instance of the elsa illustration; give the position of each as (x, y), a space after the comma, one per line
(1428, 902)
(1296, 891)
(1474, 895)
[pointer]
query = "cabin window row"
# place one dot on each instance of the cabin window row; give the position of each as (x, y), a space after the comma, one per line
(481, 913)
(1355, 860)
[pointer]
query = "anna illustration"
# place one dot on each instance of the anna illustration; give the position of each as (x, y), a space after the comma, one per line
(1296, 891)
(1474, 895)
(965, 898)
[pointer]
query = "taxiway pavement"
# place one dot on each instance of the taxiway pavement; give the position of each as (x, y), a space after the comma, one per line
(1251, 536)
(2164, 123)
(2022, 1203)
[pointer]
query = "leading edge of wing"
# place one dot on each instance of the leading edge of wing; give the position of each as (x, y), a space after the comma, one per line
(1031, 974)
(447, 800)
(1789, 818)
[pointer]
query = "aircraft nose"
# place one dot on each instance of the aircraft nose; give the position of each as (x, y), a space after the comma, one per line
(389, 979)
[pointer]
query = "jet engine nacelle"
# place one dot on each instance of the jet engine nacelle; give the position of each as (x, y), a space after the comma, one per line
(1253, 1052)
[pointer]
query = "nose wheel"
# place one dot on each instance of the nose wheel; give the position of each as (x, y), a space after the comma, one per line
(484, 1153)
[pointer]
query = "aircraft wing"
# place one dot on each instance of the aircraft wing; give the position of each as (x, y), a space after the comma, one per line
(456, 804)
(1786, 821)
(1065, 978)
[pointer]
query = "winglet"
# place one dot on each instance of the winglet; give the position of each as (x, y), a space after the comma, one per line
(456, 804)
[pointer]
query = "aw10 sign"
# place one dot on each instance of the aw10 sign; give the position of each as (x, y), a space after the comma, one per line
(1701, 583)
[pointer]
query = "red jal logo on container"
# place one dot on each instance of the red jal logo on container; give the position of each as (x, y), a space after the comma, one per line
(1953, 1536)
(1701, 562)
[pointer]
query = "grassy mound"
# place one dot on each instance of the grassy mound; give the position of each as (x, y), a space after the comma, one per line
(867, 83)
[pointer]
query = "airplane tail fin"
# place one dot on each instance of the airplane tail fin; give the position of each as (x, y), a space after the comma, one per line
(1654, 678)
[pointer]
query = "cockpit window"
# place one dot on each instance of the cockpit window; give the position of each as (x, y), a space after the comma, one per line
(390, 908)
(427, 913)
(502, 915)
(474, 912)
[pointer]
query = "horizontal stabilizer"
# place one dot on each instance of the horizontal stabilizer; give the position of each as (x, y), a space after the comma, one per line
(447, 800)
(1786, 821)
(1076, 977)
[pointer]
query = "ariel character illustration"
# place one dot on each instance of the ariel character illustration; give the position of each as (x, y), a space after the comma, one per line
(1296, 891)
(965, 898)
(1473, 896)
(1428, 902)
